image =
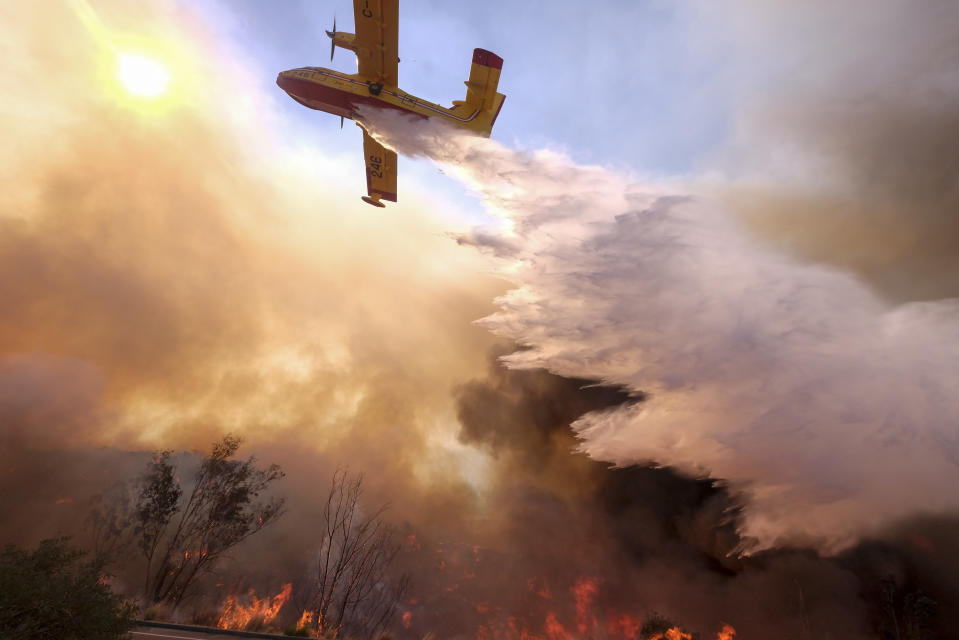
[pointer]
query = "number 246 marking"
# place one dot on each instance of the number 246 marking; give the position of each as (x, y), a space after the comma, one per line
(375, 164)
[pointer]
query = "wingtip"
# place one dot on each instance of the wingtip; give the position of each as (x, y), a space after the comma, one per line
(375, 202)
(487, 58)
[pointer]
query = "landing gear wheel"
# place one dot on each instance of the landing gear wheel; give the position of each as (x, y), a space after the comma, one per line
(375, 88)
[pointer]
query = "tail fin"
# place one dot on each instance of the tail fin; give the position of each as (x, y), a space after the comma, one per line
(481, 87)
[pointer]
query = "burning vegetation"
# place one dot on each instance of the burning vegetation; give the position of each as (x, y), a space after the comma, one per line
(558, 547)
(257, 614)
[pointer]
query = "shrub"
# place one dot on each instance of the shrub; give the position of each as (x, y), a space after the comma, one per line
(53, 592)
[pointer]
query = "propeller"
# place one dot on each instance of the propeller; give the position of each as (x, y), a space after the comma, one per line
(332, 38)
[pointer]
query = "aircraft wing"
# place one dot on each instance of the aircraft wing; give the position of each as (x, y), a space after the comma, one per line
(377, 29)
(380, 168)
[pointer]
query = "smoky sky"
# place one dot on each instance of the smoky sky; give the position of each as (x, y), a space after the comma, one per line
(170, 272)
(167, 276)
(844, 127)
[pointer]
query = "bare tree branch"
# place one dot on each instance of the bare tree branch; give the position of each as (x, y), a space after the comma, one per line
(352, 591)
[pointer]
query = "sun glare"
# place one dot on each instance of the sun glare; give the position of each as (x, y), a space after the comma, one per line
(142, 76)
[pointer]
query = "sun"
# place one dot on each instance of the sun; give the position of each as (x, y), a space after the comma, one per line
(142, 76)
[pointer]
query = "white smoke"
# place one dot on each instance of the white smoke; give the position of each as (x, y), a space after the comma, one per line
(834, 413)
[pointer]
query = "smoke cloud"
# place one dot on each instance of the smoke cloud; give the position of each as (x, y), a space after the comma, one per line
(174, 270)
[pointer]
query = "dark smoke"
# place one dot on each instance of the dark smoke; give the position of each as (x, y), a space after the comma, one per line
(652, 539)
(489, 410)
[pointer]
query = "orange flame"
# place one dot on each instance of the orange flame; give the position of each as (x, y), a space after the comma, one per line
(623, 625)
(236, 616)
(555, 630)
(306, 621)
(588, 619)
(584, 592)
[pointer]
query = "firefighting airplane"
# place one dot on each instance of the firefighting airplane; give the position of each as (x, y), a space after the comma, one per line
(375, 84)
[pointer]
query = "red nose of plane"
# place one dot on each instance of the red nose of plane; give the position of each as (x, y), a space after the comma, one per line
(293, 86)
(284, 81)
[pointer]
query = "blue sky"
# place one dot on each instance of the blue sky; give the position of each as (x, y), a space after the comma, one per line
(619, 85)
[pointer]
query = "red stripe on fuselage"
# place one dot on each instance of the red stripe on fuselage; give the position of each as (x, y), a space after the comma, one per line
(321, 97)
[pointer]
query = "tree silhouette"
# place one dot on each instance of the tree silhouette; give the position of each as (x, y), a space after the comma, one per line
(182, 536)
(181, 542)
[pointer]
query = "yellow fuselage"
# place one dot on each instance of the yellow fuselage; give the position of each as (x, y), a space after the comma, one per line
(340, 94)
